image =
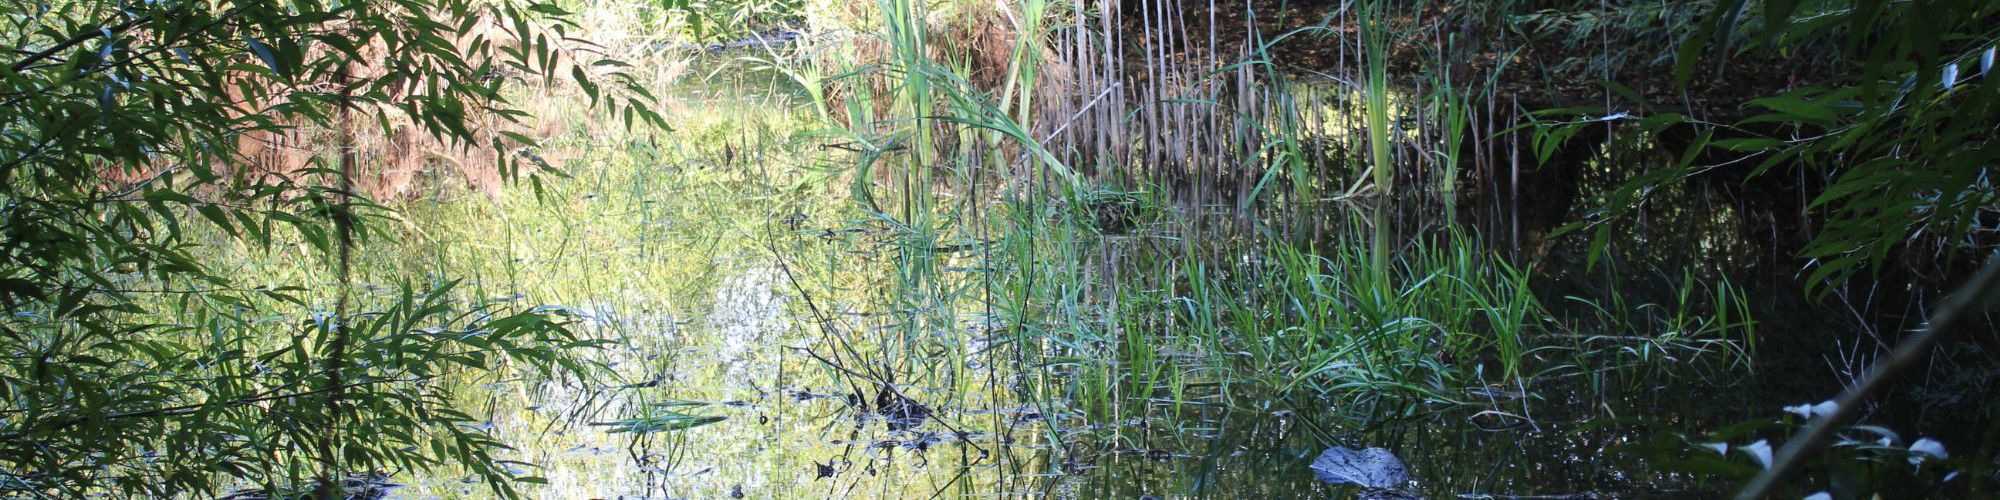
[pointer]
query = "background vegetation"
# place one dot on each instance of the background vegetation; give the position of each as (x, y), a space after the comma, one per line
(315, 249)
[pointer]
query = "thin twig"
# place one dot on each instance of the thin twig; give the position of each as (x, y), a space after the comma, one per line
(79, 38)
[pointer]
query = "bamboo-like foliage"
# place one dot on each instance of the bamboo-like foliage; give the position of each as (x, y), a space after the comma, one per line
(1898, 133)
(157, 373)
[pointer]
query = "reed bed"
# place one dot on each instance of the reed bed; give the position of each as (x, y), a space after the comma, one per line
(1165, 216)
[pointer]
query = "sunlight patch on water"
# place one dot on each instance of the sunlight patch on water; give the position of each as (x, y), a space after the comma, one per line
(748, 315)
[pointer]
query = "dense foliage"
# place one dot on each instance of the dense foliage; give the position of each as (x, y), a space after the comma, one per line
(1100, 208)
(1890, 127)
(134, 137)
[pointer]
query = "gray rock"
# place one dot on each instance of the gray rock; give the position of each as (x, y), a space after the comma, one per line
(1373, 468)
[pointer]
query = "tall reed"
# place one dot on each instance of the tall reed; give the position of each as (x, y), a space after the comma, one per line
(1081, 199)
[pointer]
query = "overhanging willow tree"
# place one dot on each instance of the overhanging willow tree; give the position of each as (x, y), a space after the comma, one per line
(1899, 131)
(133, 134)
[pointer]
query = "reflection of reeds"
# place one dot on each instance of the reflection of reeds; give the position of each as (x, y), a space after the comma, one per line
(1077, 175)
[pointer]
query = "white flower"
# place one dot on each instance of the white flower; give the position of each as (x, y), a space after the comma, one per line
(1986, 62)
(1802, 410)
(1720, 448)
(1927, 448)
(1950, 75)
(1807, 411)
(1760, 450)
(1819, 496)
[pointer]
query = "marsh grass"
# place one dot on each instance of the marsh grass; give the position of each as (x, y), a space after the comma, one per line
(1112, 248)
(1007, 266)
(1111, 284)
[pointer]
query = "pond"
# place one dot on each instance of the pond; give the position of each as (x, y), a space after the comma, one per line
(797, 310)
(964, 249)
(773, 343)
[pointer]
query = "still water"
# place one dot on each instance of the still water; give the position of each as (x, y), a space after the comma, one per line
(753, 306)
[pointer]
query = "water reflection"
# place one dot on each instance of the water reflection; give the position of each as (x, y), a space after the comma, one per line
(796, 427)
(737, 288)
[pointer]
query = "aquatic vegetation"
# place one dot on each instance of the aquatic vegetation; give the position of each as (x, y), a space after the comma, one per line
(1104, 249)
(662, 418)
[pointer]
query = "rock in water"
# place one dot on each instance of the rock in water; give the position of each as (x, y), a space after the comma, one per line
(1370, 468)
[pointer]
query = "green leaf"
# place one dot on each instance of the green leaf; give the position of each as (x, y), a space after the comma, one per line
(269, 56)
(1686, 55)
(549, 9)
(583, 80)
(1626, 92)
(165, 195)
(1793, 106)
(218, 217)
(1725, 30)
(1778, 14)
